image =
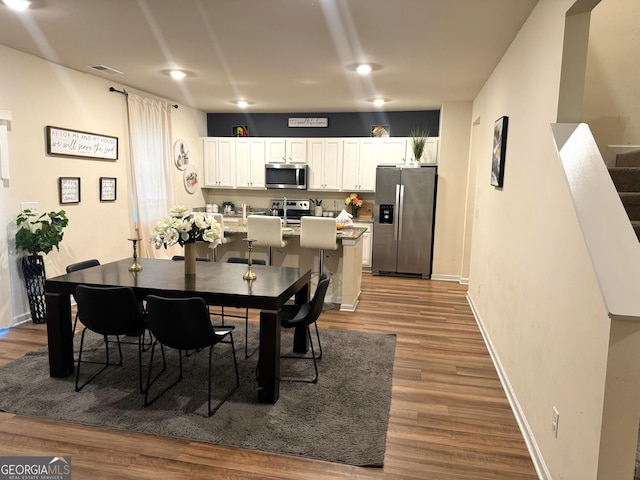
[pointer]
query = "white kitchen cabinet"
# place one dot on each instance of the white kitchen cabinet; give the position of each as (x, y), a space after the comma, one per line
(250, 160)
(324, 157)
(367, 242)
(219, 162)
(286, 150)
(359, 165)
(430, 153)
(391, 151)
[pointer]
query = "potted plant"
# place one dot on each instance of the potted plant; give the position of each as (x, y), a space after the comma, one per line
(418, 141)
(38, 235)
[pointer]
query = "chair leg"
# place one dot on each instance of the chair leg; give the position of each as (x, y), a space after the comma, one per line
(312, 357)
(319, 343)
(80, 387)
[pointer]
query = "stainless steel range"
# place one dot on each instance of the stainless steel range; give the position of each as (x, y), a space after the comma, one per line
(290, 209)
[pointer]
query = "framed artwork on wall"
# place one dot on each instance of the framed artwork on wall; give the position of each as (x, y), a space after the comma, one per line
(69, 189)
(499, 151)
(380, 130)
(65, 142)
(108, 189)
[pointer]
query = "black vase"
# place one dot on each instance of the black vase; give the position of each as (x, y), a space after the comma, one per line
(34, 276)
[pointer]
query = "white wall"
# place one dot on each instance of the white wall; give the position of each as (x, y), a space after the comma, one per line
(453, 166)
(611, 98)
(531, 281)
(39, 93)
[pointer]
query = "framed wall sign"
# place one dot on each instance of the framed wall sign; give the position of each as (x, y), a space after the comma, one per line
(75, 143)
(321, 122)
(108, 189)
(499, 151)
(69, 189)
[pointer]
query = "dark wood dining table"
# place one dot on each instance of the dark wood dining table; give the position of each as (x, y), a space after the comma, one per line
(217, 283)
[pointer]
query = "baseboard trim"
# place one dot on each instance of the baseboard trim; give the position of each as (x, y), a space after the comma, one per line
(527, 434)
(446, 278)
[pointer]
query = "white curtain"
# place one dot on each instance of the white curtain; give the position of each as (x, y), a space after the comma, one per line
(150, 154)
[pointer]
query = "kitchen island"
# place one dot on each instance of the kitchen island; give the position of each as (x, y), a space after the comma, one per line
(344, 263)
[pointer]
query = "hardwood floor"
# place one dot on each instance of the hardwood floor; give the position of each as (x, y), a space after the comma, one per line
(450, 418)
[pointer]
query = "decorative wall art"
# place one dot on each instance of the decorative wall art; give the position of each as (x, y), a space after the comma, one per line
(108, 189)
(240, 131)
(380, 130)
(499, 151)
(181, 154)
(190, 177)
(75, 143)
(69, 189)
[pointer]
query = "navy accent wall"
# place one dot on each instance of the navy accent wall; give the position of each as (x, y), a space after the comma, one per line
(342, 124)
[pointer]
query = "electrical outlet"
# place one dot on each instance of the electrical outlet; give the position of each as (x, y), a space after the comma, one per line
(554, 422)
(33, 206)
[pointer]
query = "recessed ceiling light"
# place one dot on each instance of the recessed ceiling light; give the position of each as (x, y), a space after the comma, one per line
(378, 102)
(242, 103)
(177, 74)
(364, 68)
(17, 4)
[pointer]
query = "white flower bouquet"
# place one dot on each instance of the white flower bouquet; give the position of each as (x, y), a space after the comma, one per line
(183, 227)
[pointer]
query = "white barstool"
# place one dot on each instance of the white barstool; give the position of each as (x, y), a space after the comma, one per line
(320, 233)
(267, 232)
(220, 219)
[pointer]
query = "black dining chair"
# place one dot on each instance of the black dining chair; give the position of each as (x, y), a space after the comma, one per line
(295, 316)
(224, 314)
(74, 267)
(109, 311)
(184, 324)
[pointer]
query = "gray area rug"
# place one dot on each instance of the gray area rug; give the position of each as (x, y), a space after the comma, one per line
(343, 418)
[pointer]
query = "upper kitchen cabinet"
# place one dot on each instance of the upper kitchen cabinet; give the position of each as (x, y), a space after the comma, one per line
(390, 150)
(430, 153)
(359, 165)
(250, 160)
(219, 162)
(286, 150)
(324, 156)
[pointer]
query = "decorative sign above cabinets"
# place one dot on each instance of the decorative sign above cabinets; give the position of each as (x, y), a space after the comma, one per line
(308, 122)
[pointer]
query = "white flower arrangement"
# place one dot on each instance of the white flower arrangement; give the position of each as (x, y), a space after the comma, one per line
(182, 227)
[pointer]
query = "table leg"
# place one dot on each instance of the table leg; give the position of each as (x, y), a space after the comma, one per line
(300, 337)
(269, 359)
(59, 335)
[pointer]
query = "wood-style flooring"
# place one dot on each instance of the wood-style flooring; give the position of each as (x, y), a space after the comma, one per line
(450, 418)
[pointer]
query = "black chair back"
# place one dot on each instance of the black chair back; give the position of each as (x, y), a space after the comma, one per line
(181, 323)
(109, 310)
(74, 267)
(317, 301)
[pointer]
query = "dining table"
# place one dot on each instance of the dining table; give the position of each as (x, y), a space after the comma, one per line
(220, 284)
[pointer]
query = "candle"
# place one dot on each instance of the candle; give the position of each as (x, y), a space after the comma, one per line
(244, 211)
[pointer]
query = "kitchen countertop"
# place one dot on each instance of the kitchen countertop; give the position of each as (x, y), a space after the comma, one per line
(348, 233)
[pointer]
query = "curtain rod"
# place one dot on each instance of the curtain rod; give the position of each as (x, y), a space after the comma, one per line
(125, 93)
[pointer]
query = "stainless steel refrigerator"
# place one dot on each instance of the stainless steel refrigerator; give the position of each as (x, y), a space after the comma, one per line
(403, 221)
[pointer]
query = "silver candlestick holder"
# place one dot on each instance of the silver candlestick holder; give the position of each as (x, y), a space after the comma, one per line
(249, 274)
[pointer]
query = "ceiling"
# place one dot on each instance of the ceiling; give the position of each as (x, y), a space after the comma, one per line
(280, 55)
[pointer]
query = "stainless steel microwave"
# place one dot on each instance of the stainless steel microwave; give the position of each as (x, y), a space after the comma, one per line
(286, 175)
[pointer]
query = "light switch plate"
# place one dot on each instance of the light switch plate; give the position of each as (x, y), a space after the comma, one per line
(33, 206)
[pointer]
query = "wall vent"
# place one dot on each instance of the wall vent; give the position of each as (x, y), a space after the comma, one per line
(105, 69)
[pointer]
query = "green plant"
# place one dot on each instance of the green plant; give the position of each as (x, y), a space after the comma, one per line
(40, 234)
(418, 141)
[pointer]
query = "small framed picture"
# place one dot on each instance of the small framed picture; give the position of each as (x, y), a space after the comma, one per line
(108, 189)
(240, 131)
(69, 189)
(499, 151)
(380, 130)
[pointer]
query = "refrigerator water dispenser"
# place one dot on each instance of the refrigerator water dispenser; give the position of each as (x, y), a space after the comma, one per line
(386, 214)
